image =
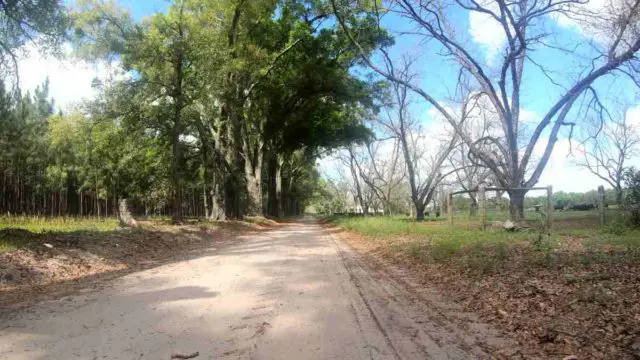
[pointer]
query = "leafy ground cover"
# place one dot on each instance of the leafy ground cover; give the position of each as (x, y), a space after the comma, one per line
(574, 293)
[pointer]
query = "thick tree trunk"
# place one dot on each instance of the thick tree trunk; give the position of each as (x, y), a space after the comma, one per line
(274, 187)
(279, 204)
(618, 195)
(254, 194)
(124, 214)
(217, 207)
(516, 204)
(253, 179)
(252, 157)
(419, 212)
(218, 200)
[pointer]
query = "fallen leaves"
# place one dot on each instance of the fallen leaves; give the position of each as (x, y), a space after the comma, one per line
(562, 310)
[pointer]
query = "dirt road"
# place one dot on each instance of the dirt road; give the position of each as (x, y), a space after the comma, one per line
(291, 293)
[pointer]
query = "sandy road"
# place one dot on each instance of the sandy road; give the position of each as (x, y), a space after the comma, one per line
(291, 293)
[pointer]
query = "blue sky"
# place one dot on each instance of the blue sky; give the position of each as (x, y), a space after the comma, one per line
(71, 80)
(438, 76)
(538, 94)
(143, 8)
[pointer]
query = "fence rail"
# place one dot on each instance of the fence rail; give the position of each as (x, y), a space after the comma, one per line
(482, 207)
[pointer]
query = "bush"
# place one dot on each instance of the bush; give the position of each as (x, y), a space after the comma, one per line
(632, 200)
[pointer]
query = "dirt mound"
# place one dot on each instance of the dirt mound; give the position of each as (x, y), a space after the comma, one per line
(48, 262)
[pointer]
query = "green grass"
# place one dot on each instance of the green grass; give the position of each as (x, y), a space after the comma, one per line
(495, 215)
(17, 231)
(491, 249)
(58, 224)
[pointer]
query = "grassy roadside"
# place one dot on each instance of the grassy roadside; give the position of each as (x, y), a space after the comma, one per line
(469, 247)
(574, 293)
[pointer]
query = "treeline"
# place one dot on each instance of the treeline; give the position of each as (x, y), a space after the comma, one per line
(223, 108)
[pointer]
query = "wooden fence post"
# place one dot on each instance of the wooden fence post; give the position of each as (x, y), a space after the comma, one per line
(450, 207)
(601, 204)
(482, 206)
(549, 208)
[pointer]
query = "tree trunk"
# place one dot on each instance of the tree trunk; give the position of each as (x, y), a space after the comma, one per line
(618, 195)
(176, 152)
(217, 195)
(473, 208)
(217, 207)
(252, 157)
(274, 187)
(254, 193)
(516, 204)
(419, 212)
(124, 214)
(176, 176)
(205, 199)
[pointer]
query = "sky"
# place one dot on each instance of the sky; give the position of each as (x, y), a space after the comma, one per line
(484, 37)
(70, 81)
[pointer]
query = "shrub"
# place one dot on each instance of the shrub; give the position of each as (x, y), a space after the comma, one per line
(632, 200)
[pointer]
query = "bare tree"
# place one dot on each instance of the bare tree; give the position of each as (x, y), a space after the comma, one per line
(382, 173)
(468, 175)
(362, 193)
(501, 84)
(424, 171)
(606, 148)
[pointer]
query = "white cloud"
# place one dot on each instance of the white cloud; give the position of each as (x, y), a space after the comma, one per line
(598, 20)
(633, 117)
(487, 32)
(69, 80)
(592, 19)
(436, 126)
(528, 116)
(592, 6)
(561, 171)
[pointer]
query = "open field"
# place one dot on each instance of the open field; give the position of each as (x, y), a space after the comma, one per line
(574, 293)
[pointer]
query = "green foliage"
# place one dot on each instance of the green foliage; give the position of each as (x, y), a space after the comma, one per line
(100, 29)
(41, 23)
(632, 200)
(212, 88)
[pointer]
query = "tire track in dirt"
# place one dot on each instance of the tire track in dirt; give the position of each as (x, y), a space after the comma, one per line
(416, 322)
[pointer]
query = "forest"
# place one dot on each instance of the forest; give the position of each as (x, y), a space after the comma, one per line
(219, 110)
(222, 109)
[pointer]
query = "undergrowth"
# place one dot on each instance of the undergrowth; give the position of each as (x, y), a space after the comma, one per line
(493, 249)
(16, 231)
